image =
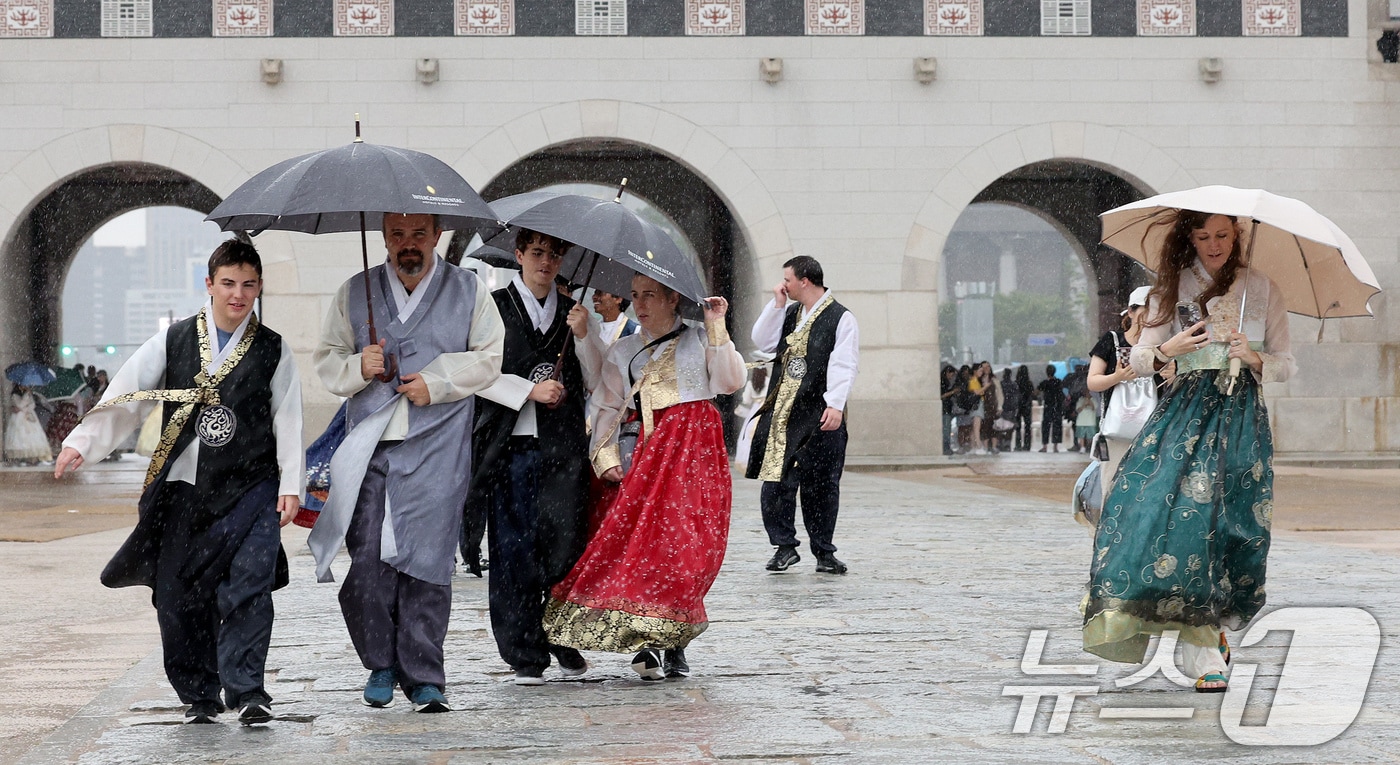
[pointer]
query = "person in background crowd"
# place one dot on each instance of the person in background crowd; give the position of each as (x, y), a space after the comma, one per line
(948, 391)
(1024, 410)
(1051, 393)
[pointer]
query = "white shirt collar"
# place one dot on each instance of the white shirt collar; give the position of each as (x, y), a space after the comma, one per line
(807, 312)
(219, 355)
(541, 315)
(409, 302)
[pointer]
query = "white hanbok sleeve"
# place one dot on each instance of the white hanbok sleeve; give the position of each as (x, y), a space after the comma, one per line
(844, 362)
(607, 406)
(768, 329)
(1279, 364)
(286, 425)
(99, 433)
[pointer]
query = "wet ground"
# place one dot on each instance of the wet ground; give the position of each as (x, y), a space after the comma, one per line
(906, 659)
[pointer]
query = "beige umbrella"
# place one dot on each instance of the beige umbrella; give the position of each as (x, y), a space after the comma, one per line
(1314, 263)
(1319, 269)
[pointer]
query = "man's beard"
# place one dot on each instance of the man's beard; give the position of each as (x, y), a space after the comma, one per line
(407, 264)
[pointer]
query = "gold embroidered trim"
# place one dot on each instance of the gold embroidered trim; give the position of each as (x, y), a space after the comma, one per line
(615, 631)
(772, 467)
(717, 332)
(205, 394)
(659, 387)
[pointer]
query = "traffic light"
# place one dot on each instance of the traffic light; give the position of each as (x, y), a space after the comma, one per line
(66, 350)
(110, 350)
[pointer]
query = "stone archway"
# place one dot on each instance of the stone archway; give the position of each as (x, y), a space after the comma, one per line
(761, 236)
(1143, 166)
(71, 186)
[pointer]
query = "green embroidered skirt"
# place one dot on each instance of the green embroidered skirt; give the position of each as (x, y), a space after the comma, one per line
(1184, 534)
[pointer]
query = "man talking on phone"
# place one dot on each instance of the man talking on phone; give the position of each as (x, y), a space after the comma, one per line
(799, 444)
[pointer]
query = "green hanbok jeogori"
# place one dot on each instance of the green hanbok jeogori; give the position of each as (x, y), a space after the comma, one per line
(1184, 534)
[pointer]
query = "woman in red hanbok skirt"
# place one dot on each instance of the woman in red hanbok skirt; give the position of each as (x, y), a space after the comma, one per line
(640, 585)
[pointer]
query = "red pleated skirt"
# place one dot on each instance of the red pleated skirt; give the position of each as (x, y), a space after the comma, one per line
(642, 580)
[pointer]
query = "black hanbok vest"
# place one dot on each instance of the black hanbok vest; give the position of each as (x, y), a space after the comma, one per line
(563, 438)
(810, 402)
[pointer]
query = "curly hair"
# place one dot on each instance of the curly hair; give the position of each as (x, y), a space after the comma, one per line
(1177, 255)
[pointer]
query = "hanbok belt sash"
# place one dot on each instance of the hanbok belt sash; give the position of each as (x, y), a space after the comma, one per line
(1213, 356)
(217, 423)
(791, 368)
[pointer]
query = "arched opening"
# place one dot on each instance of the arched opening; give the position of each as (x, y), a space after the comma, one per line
(668, 192)
(39, 253)
(684, 198)
(1026, 276)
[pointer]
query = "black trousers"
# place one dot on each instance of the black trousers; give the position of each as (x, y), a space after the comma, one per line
(816, 475)
(215, 630)
(1050, 425)
(518, 586)
(395, 620)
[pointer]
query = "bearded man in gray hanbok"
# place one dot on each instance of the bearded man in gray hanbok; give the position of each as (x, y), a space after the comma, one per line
(399, 480)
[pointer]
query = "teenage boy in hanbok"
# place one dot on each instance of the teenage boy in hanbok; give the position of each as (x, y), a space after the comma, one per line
(531, 449)
(227, 474)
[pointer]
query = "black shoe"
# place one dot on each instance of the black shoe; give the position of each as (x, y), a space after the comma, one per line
(647, 663)
(673, 663)
(255, 709)
(203, 712)
(784, 557)
(571, 662)
(828, 564)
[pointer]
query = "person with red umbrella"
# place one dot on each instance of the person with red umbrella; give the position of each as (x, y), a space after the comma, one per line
(1184, 535)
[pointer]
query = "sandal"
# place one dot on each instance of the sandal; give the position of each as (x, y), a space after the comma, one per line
(1211, 677)
(1224, 648)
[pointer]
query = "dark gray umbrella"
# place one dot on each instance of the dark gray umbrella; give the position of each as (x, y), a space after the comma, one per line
(609, 229)
(351, 188)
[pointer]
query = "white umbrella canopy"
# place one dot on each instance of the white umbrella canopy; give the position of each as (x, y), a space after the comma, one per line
(1316, 265)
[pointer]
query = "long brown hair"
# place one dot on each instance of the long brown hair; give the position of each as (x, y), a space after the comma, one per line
(1177, 255)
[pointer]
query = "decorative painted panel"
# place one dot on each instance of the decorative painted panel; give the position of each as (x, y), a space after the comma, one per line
(1272, 18)
(26, 18)
(1166, 18)
(953, 17)
(242, 18)
(364, 18)
(714, 17)
(835, 17)
(126, 18)
(485, 17)
(600, 17)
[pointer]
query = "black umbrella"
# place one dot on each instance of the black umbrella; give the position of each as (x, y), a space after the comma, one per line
(609, 229)
(351, 188)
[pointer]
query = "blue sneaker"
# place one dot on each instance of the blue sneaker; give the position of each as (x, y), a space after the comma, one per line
(379, 691)
(428, 699)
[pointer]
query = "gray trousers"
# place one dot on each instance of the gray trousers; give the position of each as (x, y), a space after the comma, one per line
(395, 620)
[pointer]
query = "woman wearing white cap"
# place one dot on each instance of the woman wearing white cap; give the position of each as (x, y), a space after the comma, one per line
(1111, 353)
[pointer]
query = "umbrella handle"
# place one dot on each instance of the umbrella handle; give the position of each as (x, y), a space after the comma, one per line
(391, 369)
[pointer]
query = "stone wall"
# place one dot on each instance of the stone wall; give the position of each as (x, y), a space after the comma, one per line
(848, 158)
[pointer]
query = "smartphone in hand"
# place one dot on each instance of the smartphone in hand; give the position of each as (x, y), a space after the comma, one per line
(1188, 313)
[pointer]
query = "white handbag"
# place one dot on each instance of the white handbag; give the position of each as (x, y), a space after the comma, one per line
(1129, 407)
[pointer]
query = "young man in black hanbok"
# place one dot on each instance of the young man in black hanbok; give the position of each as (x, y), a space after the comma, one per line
(530, 449)
(227, 474)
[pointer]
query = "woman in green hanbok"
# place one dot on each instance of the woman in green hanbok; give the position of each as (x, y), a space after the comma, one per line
(1184, 534)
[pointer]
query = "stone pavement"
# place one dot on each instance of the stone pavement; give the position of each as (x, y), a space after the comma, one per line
(903, 660)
